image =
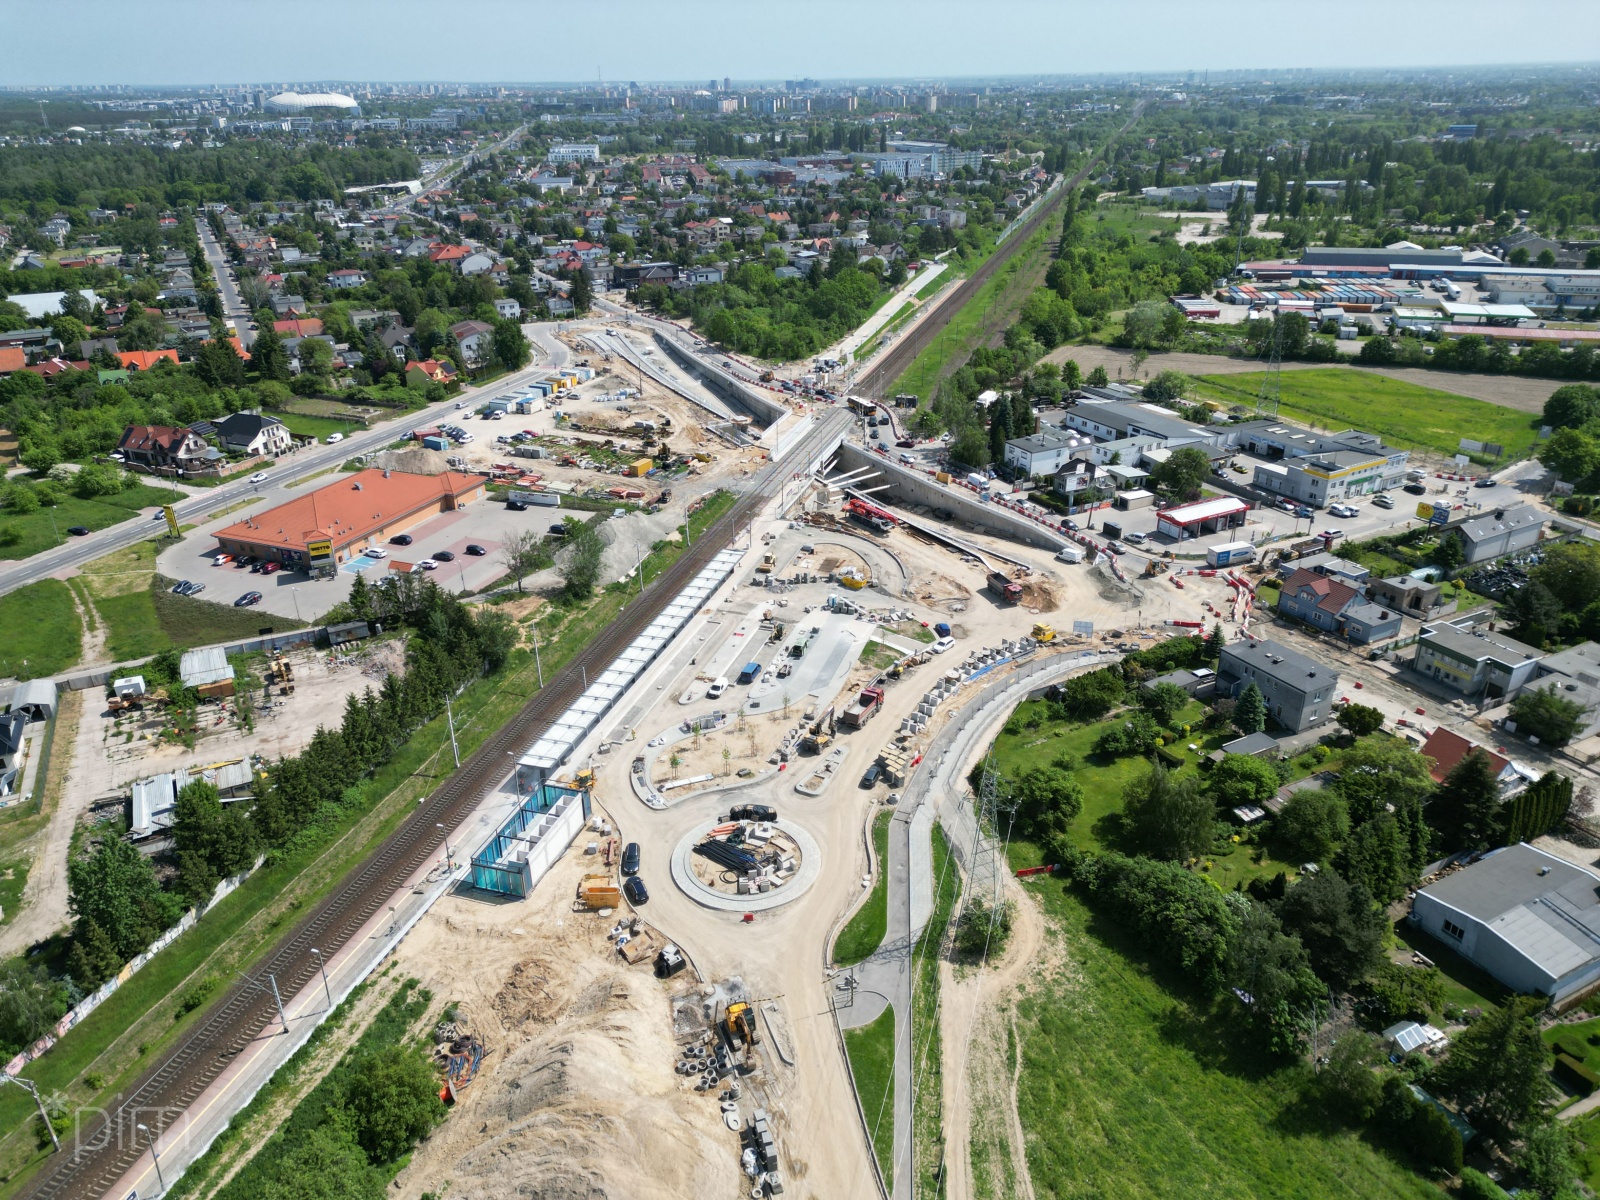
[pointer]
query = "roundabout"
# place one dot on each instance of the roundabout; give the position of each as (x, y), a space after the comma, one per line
(781, 854)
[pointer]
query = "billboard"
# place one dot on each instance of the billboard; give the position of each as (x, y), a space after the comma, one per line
(1433, 514)
(172, 519)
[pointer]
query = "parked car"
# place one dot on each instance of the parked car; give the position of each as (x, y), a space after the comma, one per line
(943, 644)
(271, 568)
(718, 686)
(1113, 546)
(444, 556)
(870, 779)
(633, 888)
(182, 587)
(246, 600)
(375, 552)
(476, 550)
(1341, 510)
(1135, 538)
(1383, 500)
(1416, 489)
(1486, 482)
(400, 539)
(630, 859)
(335, 437)
(1331, 534)
(905, 443)
(78, 530)
(195, 589)
(752, 812)
(427, 564)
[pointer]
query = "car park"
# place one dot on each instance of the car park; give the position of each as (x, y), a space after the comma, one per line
(444, 556)
(635, 890)
(375, 552)
(246, 600)
(400, 539)
(630, 859)
(943, 644)
(476, 550)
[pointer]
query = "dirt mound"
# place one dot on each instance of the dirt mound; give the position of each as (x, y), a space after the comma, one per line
(1039, 596)
(418, 461)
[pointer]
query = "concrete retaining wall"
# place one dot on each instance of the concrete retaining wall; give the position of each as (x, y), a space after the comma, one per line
(763, 408)
(916, 487)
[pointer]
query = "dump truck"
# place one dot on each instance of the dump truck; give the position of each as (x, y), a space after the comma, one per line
(1044, 633)
(1006, 589)
(865, 706)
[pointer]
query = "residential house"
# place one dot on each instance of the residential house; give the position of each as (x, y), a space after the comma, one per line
(1413, 596)
(298, 327)
(162, 447)
(1446, 749)
(254, 434)
(288, 306)
(476, 339)
(1042, 453)
(508, 308)
(396, 339)
(12, 360)
(143, 360)
(346, 277)
(694, 276)
(631, 275)
(476, 264)
(450, 256)
(1474, 661)
(1335, 606)
(420, 374)
(1297, 689)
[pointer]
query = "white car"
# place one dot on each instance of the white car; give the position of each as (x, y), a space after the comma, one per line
(943, 644)
(335, 437)
(259, 477)
(428, 564)
(1134, 539)
(374, 552)
(718, 686)
(1341, 510)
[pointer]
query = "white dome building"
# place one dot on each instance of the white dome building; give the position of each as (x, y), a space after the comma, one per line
(298, 102)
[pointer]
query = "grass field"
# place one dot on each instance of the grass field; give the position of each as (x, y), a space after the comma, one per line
(303, 425)
(871, 1050)
(927, 1101)
(1132, 1088)
(43, 634)
(1405, 414)
(48, 527)
(863, 932)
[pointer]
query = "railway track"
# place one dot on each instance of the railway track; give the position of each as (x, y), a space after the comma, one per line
(881, 376)
(163, 1094)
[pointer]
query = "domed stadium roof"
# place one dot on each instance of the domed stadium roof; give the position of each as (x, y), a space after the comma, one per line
(297, 101)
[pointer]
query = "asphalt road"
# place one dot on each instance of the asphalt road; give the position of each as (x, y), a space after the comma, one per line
(233, 306)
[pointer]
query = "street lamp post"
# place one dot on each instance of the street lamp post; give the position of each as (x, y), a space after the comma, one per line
(321, 966)
(155, 1154)
(447, 854)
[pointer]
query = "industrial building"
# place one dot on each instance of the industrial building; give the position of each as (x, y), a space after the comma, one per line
(333, 524)
(1298, 690)
(1500, 532)
(1528, 918)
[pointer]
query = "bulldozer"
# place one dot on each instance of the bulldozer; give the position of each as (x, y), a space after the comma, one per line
(583, 779)
(1044, 633)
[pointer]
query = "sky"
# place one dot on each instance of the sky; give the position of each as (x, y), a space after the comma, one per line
(152, 42)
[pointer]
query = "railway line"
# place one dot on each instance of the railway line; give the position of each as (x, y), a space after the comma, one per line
(881, 376)
(161, 1096)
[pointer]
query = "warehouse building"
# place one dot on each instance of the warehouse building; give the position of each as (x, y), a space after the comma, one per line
(1500, 532)
(333, 524)
(1528, 918)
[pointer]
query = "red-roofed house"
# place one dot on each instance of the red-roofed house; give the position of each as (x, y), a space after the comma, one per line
(1447, 749)
(299, 327)
(52, 367)
(143, 360)
(421, 374)
(1315, 599)
(449, 255)
(12, 359)
(162, 446)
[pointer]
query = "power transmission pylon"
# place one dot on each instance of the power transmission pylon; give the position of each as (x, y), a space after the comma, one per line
(1271, 383)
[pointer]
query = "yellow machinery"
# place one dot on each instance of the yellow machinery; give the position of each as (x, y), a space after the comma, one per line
(739, 1024)
(583, 779)
(1044, 633)
(853, 579)
(768, 561)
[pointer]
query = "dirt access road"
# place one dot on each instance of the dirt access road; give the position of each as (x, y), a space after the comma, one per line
(1510, 391)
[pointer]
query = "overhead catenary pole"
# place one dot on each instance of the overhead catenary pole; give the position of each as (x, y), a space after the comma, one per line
(32, 1089)
(450, 717)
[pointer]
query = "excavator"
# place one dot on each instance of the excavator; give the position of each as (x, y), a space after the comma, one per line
(739, 1026)
(819, 736)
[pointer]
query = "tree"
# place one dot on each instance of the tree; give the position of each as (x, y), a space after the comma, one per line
(1348, 1085)
(1047, 800)
(1250, 713)
(1571, 571)
(1071, 375)
(1547, 715)
(1341, 927)
(510, 346)
(1465, 811)
(1475, 1185)
(1271, 970)
(1097, 377)
(1312, 824)
(326, 1164)
(1135, 734)
(391, 1097)
(268, 356)
(581, 561)
(30, 1003)
(1496, 1067)
(1538, 809)
(115, 889)
(1164, 702)
(218, 364)
(1448, 552)
(1215, 641)
(1168, 385)
(521, 553)
(1378, 772)
(1181, 475)
(1572, 406)
(1381, 857)
(211, 840)
(1090, 697)
(69, 331)
(1535, 611)
(1141, 325)
(1241, 779)
(983, 930)
(1547, 1159)
(1168, 816)
(582, 294)
(1360, 720)
(1572, 454)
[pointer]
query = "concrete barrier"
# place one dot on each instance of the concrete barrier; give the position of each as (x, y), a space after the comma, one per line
(764, 408)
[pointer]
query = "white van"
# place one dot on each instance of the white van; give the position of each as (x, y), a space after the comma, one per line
(335, 437)
(718, 686)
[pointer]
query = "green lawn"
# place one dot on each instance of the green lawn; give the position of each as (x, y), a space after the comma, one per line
(863, 933)
(43, 634)
(1465, 985)
(47, 527)
(303, 425)
(871, 1050)
(927, 1101)
(1132, 1088)
(1405, 414)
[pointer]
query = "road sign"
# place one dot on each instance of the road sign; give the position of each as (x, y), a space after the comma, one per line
(1470, 446)
(1433, 514)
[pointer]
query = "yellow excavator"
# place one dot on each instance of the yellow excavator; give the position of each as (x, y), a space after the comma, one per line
(739, 1025)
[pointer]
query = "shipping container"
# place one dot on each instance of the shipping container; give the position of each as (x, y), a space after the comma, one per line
(435, 442)
(639, 467)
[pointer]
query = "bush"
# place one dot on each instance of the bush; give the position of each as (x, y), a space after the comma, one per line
(1475, 1185)
(1399, 993)
(1576, 1075)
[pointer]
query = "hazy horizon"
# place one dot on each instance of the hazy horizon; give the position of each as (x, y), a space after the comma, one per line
(185, 43)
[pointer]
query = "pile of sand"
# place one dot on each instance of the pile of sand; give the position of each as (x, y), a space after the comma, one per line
(415, 461)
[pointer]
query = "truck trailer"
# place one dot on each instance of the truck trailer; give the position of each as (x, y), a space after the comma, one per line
(863, 708)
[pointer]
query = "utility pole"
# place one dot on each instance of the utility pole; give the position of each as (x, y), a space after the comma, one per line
(539, 666)
(321, 966)
(450, 716)
(32, 1089)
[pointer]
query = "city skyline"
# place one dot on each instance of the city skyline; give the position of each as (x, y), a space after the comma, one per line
(625, 40)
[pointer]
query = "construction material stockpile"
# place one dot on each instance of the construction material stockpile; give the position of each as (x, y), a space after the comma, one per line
(748, 850)
(1340, 294)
